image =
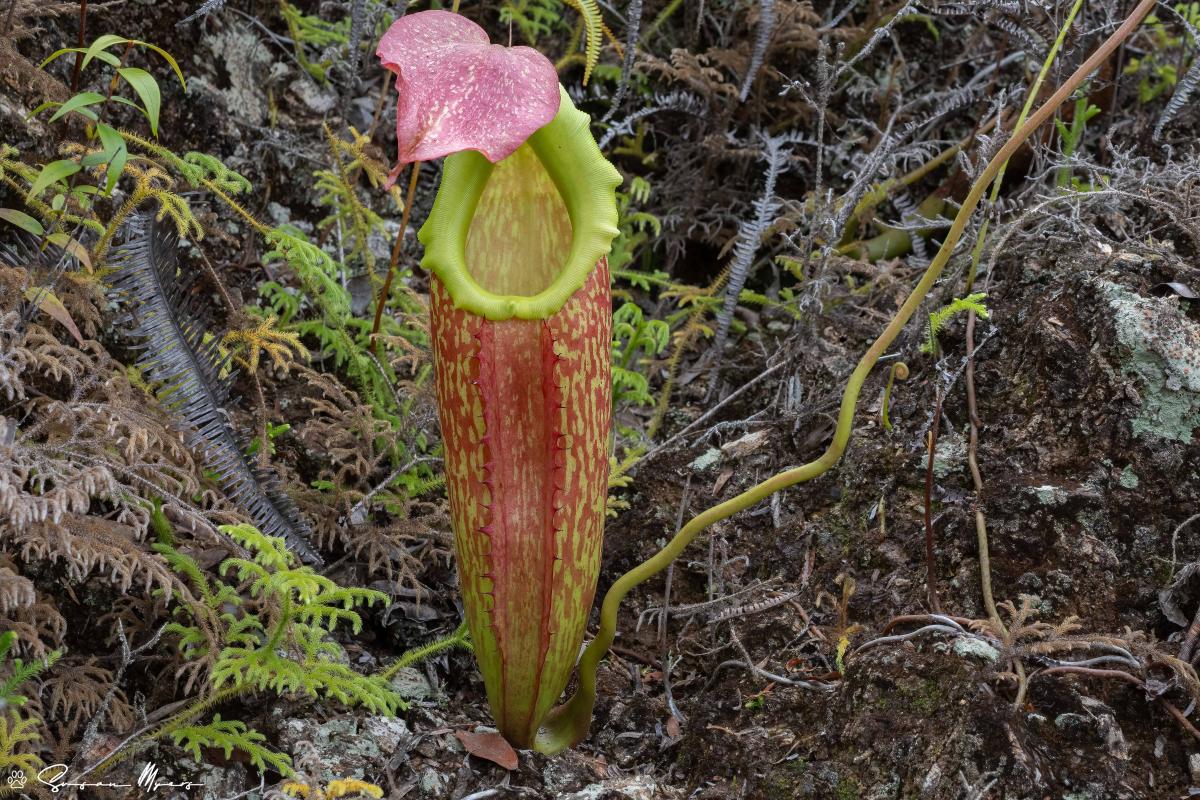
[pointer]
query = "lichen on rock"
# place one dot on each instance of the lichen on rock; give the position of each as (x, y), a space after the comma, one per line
(1163, 354)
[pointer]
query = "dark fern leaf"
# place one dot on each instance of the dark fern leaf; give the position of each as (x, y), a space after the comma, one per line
(166, 327)
(209, 7)
(766, 27)
(749, 238)
(1183, 91)
(631, 41)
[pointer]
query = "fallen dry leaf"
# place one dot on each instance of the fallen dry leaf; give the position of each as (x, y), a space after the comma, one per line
(490, 746)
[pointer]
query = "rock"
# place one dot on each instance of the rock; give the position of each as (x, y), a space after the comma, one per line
(411, 684)
(709, 457)
(1050, 495)
(431, 783)
(976, 648)
(317, 99)
(632, 788)
(1129, 478)
(949, 456)
(247, 62)
(1163, 353)
(343, 747)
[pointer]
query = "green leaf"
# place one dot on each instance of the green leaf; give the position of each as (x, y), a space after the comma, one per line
(101, 44)
(115, 146)
(106, 57)
(52, 173)
(147, 88)
(22, 220)
(78, 102)
(169, 59)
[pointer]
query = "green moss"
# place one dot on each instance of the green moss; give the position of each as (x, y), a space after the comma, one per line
(848, 788)
(1163, 354)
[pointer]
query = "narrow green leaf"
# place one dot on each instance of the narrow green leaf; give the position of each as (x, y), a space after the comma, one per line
(41, 108)
(22, 220)
(106, 57)
(101, 44)
(78, 102)
(51, 173)
(147, 88)
(170, 60)
(115, 147)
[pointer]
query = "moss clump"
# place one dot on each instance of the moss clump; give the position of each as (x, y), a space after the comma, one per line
(1163, 353)
(848, 788)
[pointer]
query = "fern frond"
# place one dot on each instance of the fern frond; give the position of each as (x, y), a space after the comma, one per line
(766, 26)
(632, 33)
(281, 346)
(21, 672)
(938, 319)
(1191, 79)
(315, 269)
(231, 734)
(749, 237)
(173, 353)
(593, 24)
(15, 731)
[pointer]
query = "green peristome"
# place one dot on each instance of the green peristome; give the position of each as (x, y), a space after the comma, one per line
(586, 182)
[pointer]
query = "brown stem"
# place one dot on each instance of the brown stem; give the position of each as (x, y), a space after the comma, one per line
(112, 84)
(79, 55)
(387, 79)
(263, 459)
(397, 248)
(930, 558)
(220, 284)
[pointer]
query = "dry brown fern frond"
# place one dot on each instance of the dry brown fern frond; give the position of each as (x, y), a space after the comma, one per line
(401, 550)
(695, 71)
(16, 591)
(139, 615)
(86, 545)
(345, 429)
(74, 692)
(39, 628)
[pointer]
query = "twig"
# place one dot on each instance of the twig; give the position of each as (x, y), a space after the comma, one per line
(903, 637)
(1175, 537)
(358, 514)
(264, 436)
(945, 619)
(666, 610)
(82, 43)
(397, 249)
(127, 657)
(981, 534)
(930, 559)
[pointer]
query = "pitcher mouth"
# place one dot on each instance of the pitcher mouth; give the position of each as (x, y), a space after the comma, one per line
(586, 185)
